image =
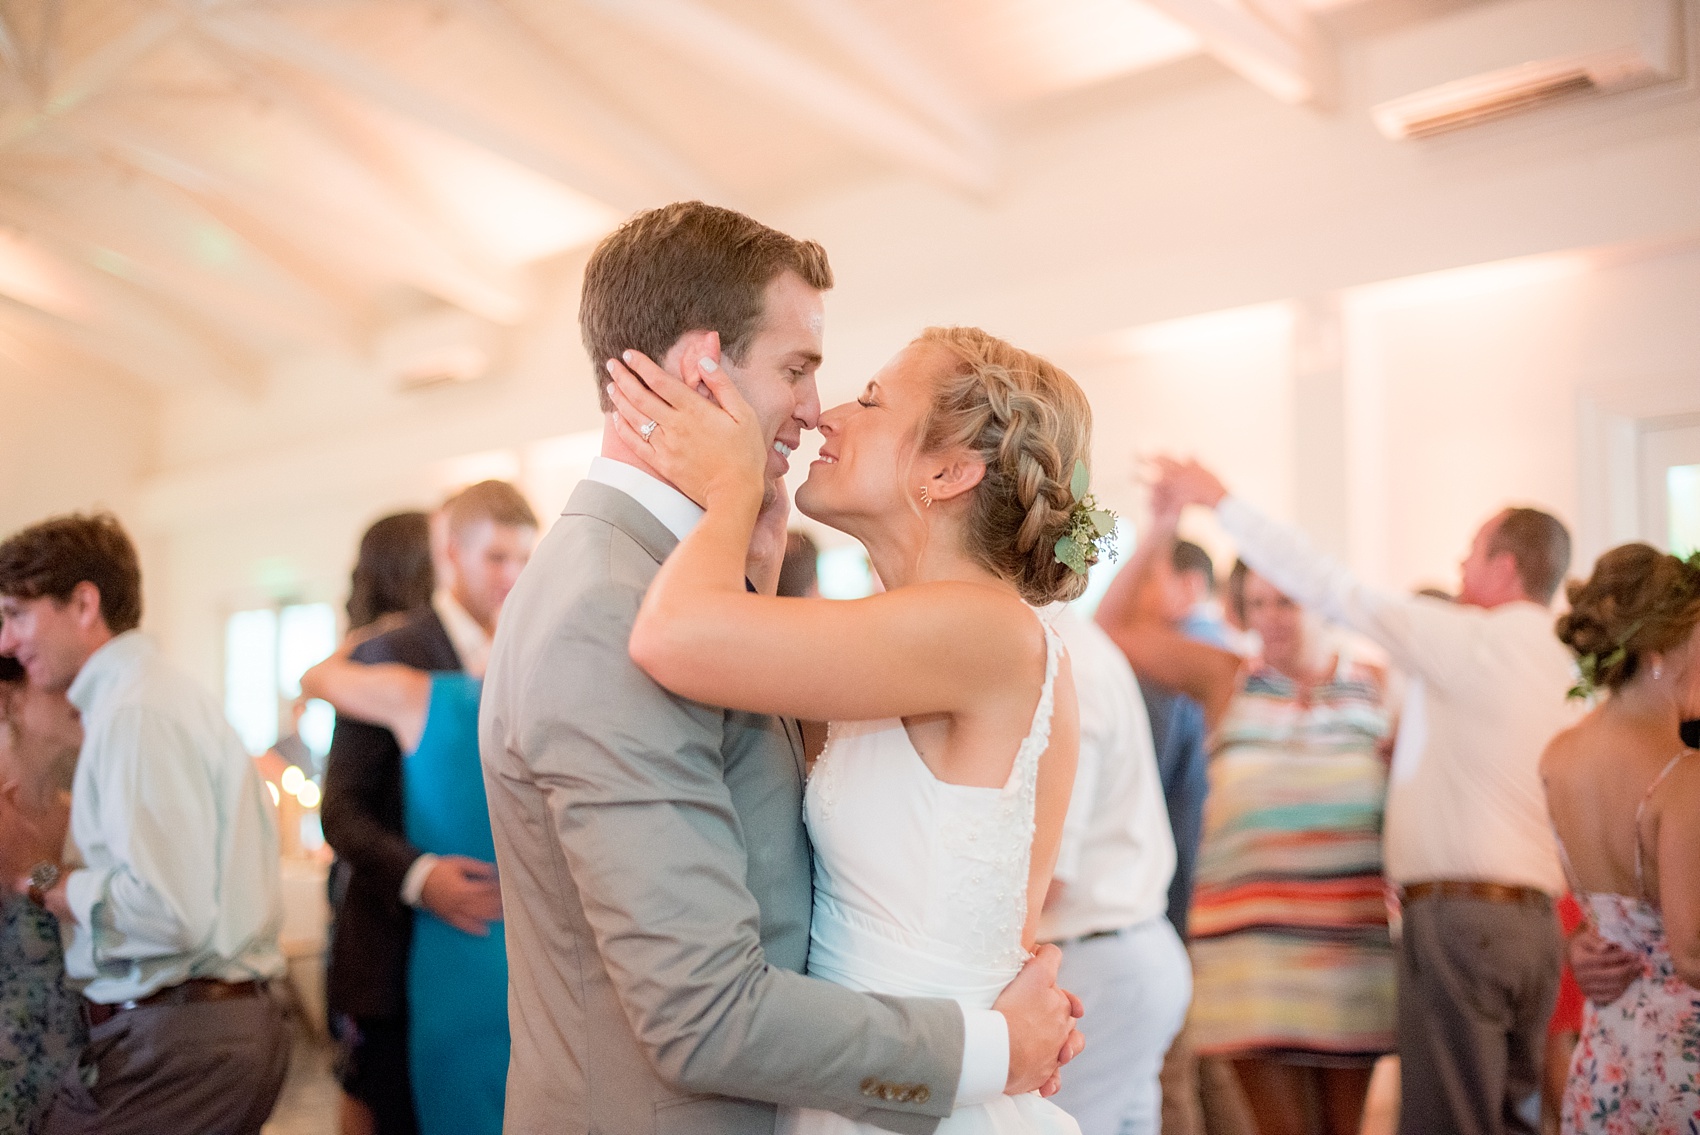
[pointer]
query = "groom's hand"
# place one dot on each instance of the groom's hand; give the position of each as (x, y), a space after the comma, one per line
(767, 542)
(1042, 1036)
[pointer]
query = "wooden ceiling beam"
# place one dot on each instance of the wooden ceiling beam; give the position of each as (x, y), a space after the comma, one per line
(1275, 44)
(90, 76)
(733, 54)
(662, 167)
(883, 61)
(163, 358)
(382, 250)
(273, 38)
(367, 159)
(108, 248)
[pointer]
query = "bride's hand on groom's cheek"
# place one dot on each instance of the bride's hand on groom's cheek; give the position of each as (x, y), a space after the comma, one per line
(702, 445)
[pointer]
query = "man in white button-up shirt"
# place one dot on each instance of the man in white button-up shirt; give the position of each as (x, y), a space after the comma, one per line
(1107, 906)
(170, 893)
(1468, 840)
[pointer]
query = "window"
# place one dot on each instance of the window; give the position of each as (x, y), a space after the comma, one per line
(1682, 503)
(266, 650)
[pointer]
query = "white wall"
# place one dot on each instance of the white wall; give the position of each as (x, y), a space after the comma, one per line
(1149, 201)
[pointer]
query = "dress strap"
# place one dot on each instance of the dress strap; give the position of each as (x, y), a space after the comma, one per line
(1026, 770)
(1640, 814)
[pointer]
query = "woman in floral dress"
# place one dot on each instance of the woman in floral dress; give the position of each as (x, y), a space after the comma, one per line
(41, 1023)
(1625, 799)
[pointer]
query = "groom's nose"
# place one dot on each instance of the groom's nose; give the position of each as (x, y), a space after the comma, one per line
(807, 408)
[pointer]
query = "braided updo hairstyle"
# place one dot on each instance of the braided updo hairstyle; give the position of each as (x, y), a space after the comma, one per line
(1029, 422)
(1638, 598)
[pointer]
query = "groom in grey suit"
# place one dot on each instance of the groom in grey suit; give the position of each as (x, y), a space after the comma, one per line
(654, 865)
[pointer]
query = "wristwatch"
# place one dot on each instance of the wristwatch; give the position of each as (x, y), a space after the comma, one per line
(44, 876)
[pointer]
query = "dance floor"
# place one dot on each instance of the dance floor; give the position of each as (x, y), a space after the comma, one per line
(309, 1102)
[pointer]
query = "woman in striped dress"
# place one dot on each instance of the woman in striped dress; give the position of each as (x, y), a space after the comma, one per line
(1293, 976)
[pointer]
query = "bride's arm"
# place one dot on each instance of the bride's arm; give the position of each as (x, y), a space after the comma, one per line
(932, 648)
(385, 693)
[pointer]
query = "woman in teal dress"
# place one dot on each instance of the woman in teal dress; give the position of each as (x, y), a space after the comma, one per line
(457, 983)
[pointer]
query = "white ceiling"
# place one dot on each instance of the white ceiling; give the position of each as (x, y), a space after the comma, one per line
(192, 188)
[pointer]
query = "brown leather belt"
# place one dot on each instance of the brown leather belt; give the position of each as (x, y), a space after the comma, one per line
(1474, 889)
(195, 989)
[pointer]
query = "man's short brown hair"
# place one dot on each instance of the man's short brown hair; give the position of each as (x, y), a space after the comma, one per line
(495, 501)
(49, 559)
(1540, 543)
(685, 267)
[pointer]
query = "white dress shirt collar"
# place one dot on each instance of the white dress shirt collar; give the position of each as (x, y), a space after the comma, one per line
(106, 667)
(468, 638)
(677, 512)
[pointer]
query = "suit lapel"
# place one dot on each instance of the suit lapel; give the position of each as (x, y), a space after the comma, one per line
(605, 503)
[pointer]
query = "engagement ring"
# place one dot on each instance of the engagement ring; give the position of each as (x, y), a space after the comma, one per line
(647, 428)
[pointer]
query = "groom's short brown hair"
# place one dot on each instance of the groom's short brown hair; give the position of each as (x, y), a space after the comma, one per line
(685, 267)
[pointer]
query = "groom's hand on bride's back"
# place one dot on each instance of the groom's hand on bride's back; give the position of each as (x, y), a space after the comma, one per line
(1041, 1016)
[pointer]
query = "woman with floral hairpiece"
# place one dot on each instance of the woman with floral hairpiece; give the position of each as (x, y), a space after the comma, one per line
(1625, 799)
(936, 809)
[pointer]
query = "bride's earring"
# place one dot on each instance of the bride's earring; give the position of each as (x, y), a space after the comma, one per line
(1658, 670)
(926, 496)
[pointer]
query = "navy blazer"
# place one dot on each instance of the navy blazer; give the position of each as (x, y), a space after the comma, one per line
(362, 815)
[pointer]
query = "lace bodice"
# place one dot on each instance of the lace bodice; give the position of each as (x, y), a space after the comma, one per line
(909, 867)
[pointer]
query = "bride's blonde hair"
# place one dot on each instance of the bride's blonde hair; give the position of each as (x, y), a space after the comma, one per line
(1029, 422)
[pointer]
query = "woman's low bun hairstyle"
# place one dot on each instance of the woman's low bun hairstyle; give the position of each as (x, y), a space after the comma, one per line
(1029, 422)
(1640, 600)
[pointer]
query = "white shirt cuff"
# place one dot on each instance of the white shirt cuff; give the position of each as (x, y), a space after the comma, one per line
(84, 889)
(985, 1057)
(413, 883)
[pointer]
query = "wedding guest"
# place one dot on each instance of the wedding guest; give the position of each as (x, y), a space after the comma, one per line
(798, 574)
(490, 530)
(1198, 1096)
(1195, 575)
(171, 897)
(1292, 959)
(1105, 908)
(393, 573)
(1468, 840)
(393, 570)
(41, 1019)
(457, 975)
(1625, 799)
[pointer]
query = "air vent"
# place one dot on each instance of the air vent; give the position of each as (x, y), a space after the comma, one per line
(1492, 61)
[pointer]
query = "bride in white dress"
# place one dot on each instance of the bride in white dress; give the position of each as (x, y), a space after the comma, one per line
(937, 806)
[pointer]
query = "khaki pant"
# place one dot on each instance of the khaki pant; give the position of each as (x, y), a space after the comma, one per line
(205, 1068)
(1477, 982)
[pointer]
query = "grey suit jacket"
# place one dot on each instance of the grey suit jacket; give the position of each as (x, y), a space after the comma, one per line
(656, 882)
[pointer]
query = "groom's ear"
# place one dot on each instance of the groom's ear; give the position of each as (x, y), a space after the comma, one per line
(686, 358)
(955, 476)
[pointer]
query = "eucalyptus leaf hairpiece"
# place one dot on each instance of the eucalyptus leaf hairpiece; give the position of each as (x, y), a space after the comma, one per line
(1591, 667)
(1091, 530)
